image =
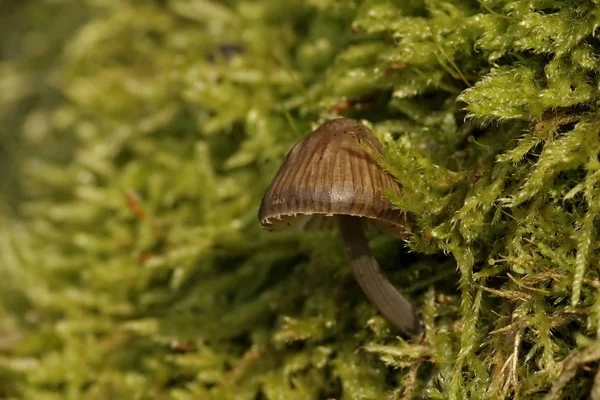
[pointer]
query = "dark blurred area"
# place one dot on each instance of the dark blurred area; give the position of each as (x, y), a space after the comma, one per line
(32, 34)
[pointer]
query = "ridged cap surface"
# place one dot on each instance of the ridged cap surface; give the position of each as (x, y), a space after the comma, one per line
(327, 173)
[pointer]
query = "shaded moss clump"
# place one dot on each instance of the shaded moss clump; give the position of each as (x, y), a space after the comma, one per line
(138, 137)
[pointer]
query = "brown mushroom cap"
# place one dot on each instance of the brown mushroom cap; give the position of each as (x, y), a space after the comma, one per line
(329, 173)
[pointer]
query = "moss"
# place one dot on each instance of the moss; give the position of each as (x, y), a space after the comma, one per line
(138, 137)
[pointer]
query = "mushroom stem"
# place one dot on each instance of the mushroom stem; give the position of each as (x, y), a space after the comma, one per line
(384, 296)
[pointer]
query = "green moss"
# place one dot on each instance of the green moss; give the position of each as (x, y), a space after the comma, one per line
(138, 137)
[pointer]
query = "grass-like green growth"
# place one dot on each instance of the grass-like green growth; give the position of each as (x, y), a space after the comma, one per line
(137, 138)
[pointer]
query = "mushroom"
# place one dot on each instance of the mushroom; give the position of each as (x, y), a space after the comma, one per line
(329, 175)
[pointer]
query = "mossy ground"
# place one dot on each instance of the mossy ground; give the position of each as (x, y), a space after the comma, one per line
(138, 136)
